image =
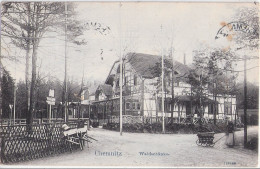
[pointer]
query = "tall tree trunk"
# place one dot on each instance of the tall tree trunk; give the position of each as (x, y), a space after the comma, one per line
(33, 82)
(27, 78)
(27, 59)
(1, 78)
(35, 43)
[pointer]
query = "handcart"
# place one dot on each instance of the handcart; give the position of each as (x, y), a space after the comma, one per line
(205, 139)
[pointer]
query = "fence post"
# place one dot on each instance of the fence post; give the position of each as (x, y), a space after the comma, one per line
(88, 123)
(2, 149)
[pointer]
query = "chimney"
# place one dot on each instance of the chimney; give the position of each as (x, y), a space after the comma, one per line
(184, 59)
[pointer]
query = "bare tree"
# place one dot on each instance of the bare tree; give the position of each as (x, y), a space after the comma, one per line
(25, 23)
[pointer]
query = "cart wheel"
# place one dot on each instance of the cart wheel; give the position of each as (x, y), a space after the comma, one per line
(197, 142)
(212, 145)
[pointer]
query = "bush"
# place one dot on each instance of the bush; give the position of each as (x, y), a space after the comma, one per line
(170, 128)
(252, 144)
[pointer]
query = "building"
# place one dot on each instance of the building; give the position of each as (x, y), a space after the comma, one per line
(142, 92)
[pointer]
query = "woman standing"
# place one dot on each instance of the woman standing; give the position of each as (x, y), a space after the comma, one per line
(230, 134)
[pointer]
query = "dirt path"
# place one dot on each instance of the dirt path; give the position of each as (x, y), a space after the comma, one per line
(175, 150)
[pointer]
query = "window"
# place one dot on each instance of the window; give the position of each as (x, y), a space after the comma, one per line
(169, 81)
(160, 105)
(126, 80)
(167, 105)
(135, 80)
(138, 106)
(177, 84)
(133, 106)
(117, 83)
(211, 109)
(127, 106)
(228, 108)
(196, 110)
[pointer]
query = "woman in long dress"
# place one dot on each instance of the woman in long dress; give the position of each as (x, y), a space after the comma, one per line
(230, 134)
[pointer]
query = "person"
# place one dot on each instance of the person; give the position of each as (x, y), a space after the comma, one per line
(230, 134)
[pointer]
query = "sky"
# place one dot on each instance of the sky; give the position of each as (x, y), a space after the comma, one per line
(144, 27)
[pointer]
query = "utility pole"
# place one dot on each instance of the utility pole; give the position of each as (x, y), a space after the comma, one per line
(121, 72)
(163, 115)
(172, 87)
(201, 95)
(66, 111)
(245, 104)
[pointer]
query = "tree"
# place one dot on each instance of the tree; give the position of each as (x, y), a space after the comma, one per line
(252, 96)
(7, 94)
(21, 100)
(249, 16)
(209, 73)
(25, 23)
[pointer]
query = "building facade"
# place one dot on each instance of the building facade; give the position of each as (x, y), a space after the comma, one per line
(142, 92)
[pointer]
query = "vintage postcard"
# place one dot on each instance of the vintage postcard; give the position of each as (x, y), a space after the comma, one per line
(129, 84)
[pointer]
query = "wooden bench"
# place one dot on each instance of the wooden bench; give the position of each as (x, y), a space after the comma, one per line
(78, 136)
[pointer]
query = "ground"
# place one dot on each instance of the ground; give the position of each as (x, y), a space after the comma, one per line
(181, 149)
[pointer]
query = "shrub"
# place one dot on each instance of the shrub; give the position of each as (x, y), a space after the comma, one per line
(253, 144)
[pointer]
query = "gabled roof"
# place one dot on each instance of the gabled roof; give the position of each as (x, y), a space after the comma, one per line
(149, 66)
(106, 89)
(112, 71)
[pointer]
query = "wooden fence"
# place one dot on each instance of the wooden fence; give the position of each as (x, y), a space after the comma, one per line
(21, 143)
(147, 119)
(11, 122)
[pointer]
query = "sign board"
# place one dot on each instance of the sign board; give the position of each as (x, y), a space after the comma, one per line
(51, 99)
(51, 93)
(50, 102)
(11, 106)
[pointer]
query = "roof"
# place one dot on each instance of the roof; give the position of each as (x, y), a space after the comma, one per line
(149, 66)
(111, 73)
(106, 89)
